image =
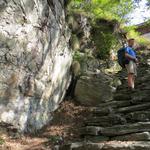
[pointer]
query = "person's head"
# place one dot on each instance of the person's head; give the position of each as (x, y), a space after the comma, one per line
(131, 42)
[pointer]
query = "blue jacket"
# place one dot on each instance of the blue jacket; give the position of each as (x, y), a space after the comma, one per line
(130, 51)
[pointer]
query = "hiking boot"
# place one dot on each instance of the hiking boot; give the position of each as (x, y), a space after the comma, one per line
(131, 89)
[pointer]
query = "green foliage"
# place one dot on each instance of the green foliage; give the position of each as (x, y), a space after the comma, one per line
(102, 35)
(108, 9)
(80, 57)
(2, 141)
(56, 139)
(132, 33)
(104, 40)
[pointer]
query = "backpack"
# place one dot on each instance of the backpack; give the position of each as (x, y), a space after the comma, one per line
(121, 57)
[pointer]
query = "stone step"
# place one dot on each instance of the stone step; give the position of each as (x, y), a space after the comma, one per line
(114, 104)
(117, 130)
(125, 129)
(122, 97)
(112, 145)
(133, 108)
(123, 103)
(106, 121)
(139, 99)
(144, 87)
(109, 107)
(102, 112)
(138, 116)
(144, 79)
(124, 107)
(114, 119)
(90, 130)
(143, 136)
(96, 139)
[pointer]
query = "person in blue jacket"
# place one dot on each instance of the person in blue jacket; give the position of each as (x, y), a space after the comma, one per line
(131, 67)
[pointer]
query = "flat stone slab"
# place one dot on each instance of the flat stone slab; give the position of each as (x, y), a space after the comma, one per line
(106, 121)
(138, 116)
(125, 129)
(144, 136)
(134, 108)
(120, 97)
(115, 104)
(97, 139)
(117, 130)
(112, 145)
(102, 112)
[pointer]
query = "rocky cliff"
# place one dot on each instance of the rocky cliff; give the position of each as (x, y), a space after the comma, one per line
(35, 61)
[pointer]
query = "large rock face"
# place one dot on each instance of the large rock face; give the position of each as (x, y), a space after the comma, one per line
(34, 61)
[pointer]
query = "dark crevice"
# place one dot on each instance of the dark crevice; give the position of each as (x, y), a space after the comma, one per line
(51, 5)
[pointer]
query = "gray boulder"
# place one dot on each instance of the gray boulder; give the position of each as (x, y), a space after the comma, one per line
(93, 90)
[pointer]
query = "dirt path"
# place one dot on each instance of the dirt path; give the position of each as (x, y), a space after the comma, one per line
(64, 127)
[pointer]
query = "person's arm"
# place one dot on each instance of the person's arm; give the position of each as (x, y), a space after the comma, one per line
(130, 57)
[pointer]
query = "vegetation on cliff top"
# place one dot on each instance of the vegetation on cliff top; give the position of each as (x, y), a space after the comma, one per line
(111, 10)
(108, 9)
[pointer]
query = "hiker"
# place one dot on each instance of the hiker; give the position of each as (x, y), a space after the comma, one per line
(131, 67)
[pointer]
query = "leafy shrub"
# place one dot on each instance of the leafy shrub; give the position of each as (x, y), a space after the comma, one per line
(2, 141)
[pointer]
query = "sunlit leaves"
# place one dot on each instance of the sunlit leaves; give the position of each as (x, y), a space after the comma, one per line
(108, 9)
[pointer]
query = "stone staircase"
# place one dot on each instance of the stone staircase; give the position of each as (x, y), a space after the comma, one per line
(122, 123)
